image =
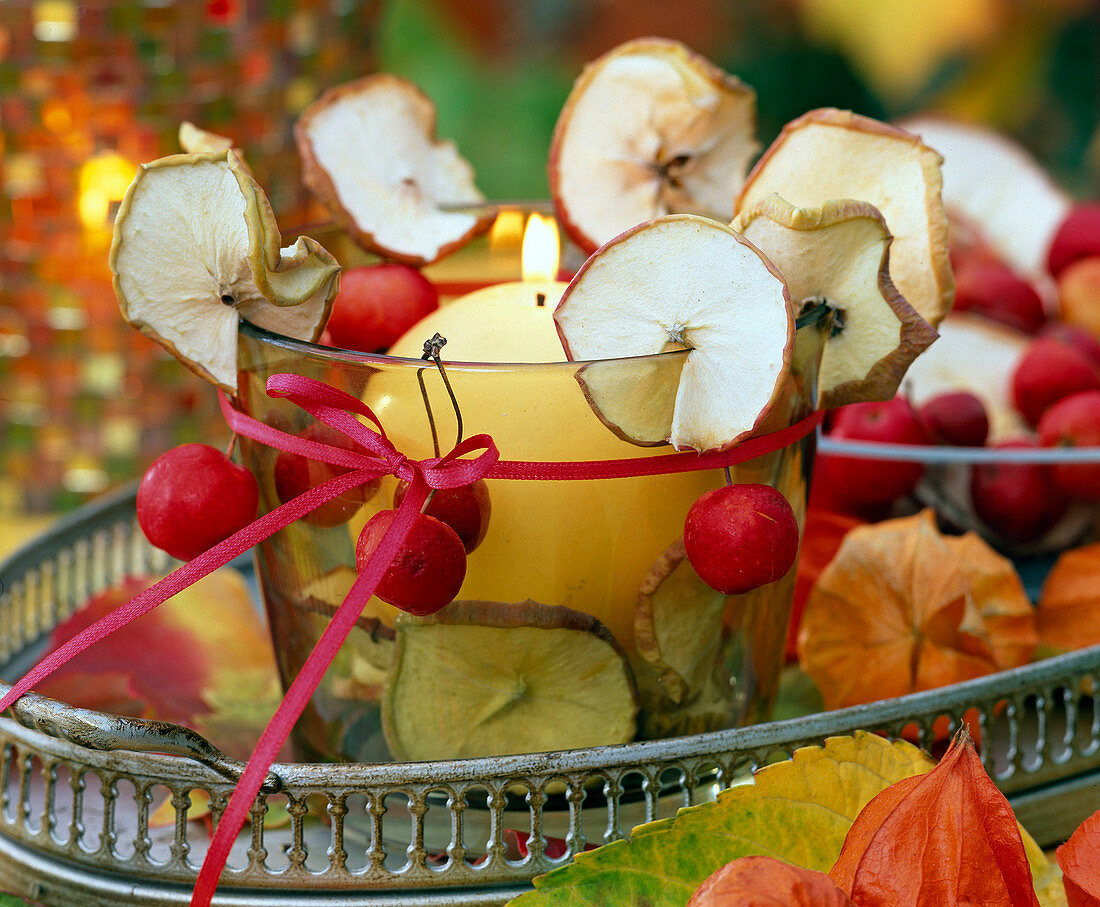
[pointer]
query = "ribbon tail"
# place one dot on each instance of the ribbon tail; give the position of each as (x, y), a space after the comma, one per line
(182, 577)
(299, 693)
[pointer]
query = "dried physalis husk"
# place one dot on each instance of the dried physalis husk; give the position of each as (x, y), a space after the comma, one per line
(1068, 616)
(764, 882)
(945, 837)
(902, 608)
(1079, 858)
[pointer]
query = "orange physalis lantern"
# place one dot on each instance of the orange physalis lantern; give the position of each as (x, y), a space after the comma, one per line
(946, 837)
(759, 881)
(1069, 604)
(903, 607)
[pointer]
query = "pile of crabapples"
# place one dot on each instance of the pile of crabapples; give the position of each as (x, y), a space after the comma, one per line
(1052, 394)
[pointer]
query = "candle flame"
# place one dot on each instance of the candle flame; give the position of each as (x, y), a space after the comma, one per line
(541, 248)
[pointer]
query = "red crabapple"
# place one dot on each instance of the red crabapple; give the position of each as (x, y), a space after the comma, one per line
(193, 497)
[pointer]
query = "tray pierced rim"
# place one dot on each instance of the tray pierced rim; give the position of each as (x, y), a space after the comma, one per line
(104, 731)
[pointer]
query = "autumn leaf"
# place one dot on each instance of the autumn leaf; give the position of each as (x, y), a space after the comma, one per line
(903, 608)
(1079, 858)
(798, 810)
(202, 659)
(946, 837)
(1068, 616)
(767, 882)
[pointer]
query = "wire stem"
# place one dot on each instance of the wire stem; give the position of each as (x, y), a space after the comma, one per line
(431, 350)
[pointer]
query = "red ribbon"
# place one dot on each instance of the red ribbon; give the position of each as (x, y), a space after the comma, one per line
(377, 457)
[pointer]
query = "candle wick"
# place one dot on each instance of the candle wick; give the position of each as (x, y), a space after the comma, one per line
(540, 299)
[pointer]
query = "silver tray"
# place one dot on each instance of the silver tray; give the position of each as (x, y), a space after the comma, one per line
(78, 787)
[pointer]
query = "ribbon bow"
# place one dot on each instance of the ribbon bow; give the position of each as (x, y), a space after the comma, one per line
(377, 457)
(374, 456)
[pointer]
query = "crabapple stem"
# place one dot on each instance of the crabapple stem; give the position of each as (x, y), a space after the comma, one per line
(231, 446)
(729, 475)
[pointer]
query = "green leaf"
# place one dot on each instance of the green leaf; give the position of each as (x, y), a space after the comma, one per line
(798, 810)
(11, 900)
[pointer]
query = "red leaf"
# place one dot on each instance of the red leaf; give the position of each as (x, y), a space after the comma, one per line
(1079, 858)
(104, 691)
(203, 659)
(166, 671)
(765, 882)
(945, 838)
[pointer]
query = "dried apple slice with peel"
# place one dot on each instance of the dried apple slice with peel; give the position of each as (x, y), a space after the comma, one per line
(488, 678)
(371, 156)
(977, 355)
(686, 281)
(709, 711)
(997, 186)
(678, 625)
(637, 396)
(650, 128)
(839, 252)
(831, 154)
(325, 593)
(196, 248)
(194, 138)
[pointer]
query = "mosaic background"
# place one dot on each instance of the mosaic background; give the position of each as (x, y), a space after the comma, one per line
(89, 89)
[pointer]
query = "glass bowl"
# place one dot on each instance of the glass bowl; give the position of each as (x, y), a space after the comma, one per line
(945, 485)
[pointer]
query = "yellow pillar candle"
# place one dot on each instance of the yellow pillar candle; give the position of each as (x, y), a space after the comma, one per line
(501, 323)
(583, 544)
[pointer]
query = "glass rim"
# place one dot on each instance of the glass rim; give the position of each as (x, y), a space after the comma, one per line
(489, 207)
(338, 354)
(939, 455)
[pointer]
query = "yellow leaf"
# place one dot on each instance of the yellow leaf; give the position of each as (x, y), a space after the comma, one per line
(798, 810)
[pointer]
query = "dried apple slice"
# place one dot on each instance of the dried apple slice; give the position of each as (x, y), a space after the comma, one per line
(707, 711)
(637, 396)
(325, 593)
(839, 252)
(371, 156)
(194, 138)
(196, 248)
(998, 187)
(835, 154)
(487, 678)
(650, 128)
(686, 281)
(977, 355)
(678, 625)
